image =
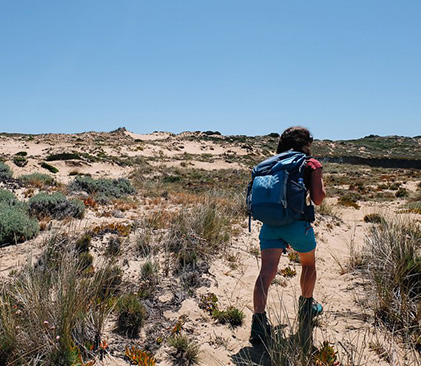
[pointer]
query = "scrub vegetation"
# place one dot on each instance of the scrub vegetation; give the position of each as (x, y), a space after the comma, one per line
(118, 253)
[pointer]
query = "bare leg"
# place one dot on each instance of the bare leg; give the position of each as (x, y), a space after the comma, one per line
(308, 273)
(270, 261)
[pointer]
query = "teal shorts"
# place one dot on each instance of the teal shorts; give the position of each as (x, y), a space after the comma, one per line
(299, 235)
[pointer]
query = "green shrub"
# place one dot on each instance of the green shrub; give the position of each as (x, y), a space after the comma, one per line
(83, 244)
(103, 189)
(230, 315)
(15, 224)
(37, 179)
(55, 205)
(20, 161)
(401, 192)
(209, 133)
(5, 171)
(7, 197)
(21, 153)
(63, 156)
(349, 200)
(186, 350)
(374, 218)
(49, 167)
(131, 314)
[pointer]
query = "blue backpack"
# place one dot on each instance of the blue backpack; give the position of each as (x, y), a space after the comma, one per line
(276, 195)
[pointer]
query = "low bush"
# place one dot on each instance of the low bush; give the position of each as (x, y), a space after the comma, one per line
(55, 205)
(401, 192)
(20, 160)
(349, 200)
(37, 179)
(15, 224)
(103, 189)
(7, 197)
(139, 357)
(63, 156)
(186, 350)
(49, 167)
(373, 218)
(130, 314)
(83, 244)
(5, 171)
(230, 315)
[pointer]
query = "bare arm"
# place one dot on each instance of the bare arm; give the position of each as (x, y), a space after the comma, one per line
(317, 189)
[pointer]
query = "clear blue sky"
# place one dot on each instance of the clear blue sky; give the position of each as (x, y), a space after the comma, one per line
(343, 68)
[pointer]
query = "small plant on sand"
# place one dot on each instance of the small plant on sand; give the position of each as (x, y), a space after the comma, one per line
(373, 218)
(288, 272)
(326, 209)
(63, 156)
(20, 160)
(103, 190)
(349, 200)
(130, 314)
(326, 355)
(208, 302)
(15, 223)
(49, 167)
(186, 350)
(230, 315)
(7, 197)
(112, 228)
(55, 205)
(83, 244)
(293, 256)
(5, 171)
(139, 358)
(37, 180)
(401, 192)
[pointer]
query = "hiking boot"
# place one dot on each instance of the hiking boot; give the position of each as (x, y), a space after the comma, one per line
(308, 308)
(260, 329)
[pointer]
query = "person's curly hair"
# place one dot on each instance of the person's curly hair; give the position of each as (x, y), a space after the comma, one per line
(297, 138)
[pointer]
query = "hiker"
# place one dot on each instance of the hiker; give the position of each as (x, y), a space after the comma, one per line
(299, 235)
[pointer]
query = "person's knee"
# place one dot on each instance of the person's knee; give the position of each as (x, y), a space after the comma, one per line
(309, 269)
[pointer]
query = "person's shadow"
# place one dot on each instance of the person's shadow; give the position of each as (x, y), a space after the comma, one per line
(260, 354)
